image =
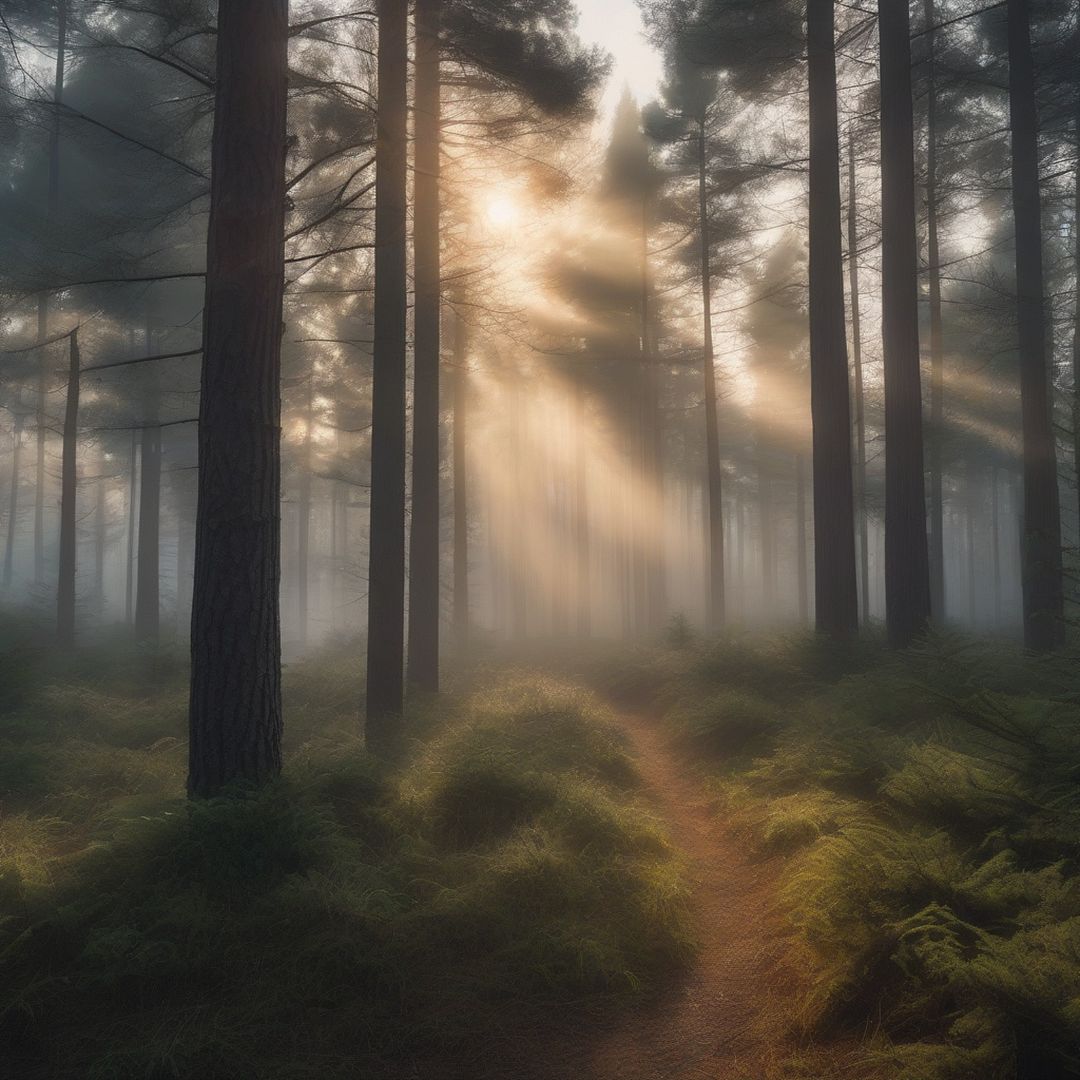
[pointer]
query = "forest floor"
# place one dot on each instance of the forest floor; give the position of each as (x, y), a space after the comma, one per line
(726, 1017)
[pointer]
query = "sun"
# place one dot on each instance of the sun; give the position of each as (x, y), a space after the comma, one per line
(502, 211)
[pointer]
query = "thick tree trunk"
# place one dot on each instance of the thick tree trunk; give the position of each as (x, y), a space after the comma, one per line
(386, 570)
(235, 715)
(859, 388)
(43, 298)
(132, 515)
(907, 567)
(937, 337)
(714, 557)
(13, 501)
(1043, 602)
(69, 483)
(1076, 310)
(835, 582)
(461, 479)
(423, 666)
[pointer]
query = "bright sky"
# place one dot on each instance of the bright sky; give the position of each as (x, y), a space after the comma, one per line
(616, 26)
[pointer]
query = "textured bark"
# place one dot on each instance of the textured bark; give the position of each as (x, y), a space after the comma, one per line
(386, 569)
(235, 714)
(714, 480)
(835, 581)
(13, 501)
(461, 479)
(1043, 601)
(859, 388)
(1076, 303)
(907, 569)
(937, 344)
(69, 483)
(423, 666)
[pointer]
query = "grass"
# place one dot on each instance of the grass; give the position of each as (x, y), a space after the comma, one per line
(927, 808)
(352, 919)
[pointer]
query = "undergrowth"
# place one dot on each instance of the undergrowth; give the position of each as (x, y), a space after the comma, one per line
(927, 807)
(352, 919)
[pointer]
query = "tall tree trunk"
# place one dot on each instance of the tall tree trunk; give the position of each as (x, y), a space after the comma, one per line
(132, 515)
(995, 537)
(303, 520)
(714, 556)
(148, 579)
(69, 483)
(937, 336)
(907, 566)
(970, 504)
(43, 298)
(13, 501)
(767, 538)
(859, 388)
(1076, 307)
(835, 582)
(423, 666)
(386, 569)
(100, 531)
(461, 492)
(1043, 601)
(235, 714)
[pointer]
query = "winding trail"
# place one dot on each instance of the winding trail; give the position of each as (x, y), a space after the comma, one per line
(724, 1020)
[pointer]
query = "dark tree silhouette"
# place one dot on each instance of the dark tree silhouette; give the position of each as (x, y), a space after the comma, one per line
(907, 570)
(386, 567)
(1043, 602)
(836, 588)
(235, 710)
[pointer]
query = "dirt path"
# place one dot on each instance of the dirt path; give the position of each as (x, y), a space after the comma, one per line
(721, 1022)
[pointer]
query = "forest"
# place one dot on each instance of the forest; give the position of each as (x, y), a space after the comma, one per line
(540, 540)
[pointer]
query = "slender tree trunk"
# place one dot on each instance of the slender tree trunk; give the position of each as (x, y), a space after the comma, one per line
(132, 515)
(583, 588)
(907, 565)
(423, 667)
(859, 389)
(69, 483)
(937, 336)
(995, 537)
(970, 505)
(100, 530)
(714, 557)
(1043, 601)
(767, 538)
(303, 521)
(13, 501)
(235, 714)
(1076, 306)
(836, 584)
(461, 492)
(148, 579)
(386, 570)
(43, 298)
